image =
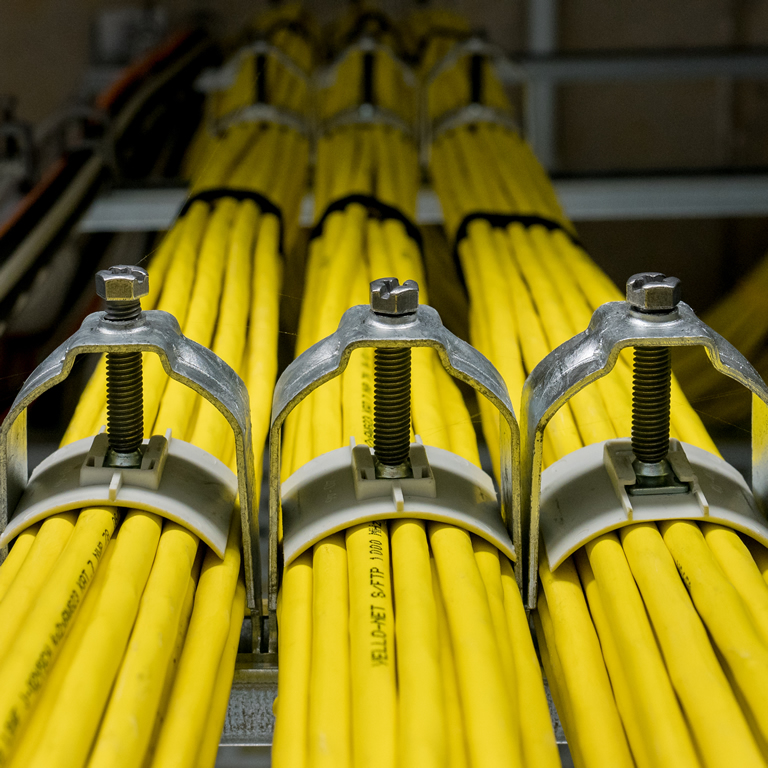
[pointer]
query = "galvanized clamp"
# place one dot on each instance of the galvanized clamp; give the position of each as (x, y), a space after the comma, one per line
(326, 76)
(366, 113)
(591, 355)
(472, 46)
(215, 81)
(468, 114)
(361, 327)
(183, 360)
(261, 113)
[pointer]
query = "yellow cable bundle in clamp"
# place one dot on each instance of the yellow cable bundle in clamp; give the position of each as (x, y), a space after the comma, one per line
(400, 643)
(641, 664)
(144, 658)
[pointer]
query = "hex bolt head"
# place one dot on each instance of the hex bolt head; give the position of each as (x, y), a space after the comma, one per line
(388, 297)
(653, 292)
(122, 283)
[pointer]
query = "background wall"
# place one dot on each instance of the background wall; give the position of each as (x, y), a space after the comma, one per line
(44, 51)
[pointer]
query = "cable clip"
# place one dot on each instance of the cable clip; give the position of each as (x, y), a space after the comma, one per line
(611, 484)
(192, 487)
(398, 479)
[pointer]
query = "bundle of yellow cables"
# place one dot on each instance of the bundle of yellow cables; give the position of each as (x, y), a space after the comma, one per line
(655, 638)
(118, 630)
(433, 664)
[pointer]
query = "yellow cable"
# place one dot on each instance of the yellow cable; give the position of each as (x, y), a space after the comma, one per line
(12, 564)
(456, 737)
(625, 702)
(711, 710)
(178, 647)
(329, 737)
(372, 646)
(129, 717)
(558, 688)
(487, 558)
(26, 665)
(229, 342)
(657, 708)
(736, 561)
(32, 577)
(492, 734)
(759, 554)
(209, 744)
(422, 728)
(593, 720)
(724, 615)
(176, 405)
(206, 637)
(538, 740)
(75, 717)
(38, 723)
(289, 741)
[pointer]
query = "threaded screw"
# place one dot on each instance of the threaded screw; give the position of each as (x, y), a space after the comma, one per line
(122, 288)
(651, 387)
(652, 293)
(392, 405)
(125, 402)
(392, 379)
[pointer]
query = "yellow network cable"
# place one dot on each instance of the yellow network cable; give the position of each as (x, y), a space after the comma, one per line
(119, 632)
(433, 694)
(617, 648)
(129, 653)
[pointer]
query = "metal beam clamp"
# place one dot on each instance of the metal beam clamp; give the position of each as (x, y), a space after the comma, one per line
(614, 483)
(395, 478)
(118, 467)
(476, 111)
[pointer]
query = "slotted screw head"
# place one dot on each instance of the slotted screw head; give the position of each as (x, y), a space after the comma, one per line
(388, 297)
(122, 283)
(653, 292)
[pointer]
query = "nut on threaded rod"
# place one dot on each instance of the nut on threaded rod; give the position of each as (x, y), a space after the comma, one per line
(392, 379)
(122, 288)
(652, 293)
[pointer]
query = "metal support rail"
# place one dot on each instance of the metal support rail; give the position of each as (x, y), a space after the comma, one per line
(713, 195)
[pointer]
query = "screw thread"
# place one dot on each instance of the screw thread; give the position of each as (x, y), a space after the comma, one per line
(392, 405)
(125, 401)
(650, 403)
(123, 310)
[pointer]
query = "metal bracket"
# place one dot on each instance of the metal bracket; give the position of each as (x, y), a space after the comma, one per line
(183, 360)
(360, 327)
(326, 76)
(591, 355)
(216, 79)
(472, 46)
(366, 114)
(470, 113)
(260, 113)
